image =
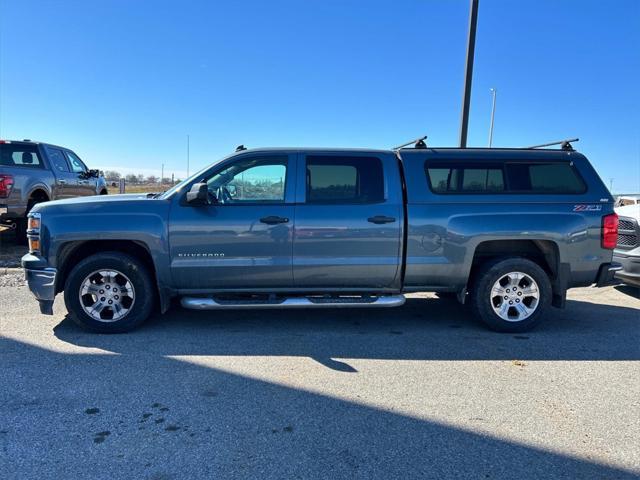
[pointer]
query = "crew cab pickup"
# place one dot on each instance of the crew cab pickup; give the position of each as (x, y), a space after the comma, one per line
(34, 172)
(507, 231)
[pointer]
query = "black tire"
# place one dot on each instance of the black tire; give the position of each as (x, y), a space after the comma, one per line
(492, 271)
(137, 273)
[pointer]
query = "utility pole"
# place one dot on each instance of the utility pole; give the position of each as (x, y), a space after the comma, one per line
(494, 92)
(162, 175)
(468, 72)
(187, 156)
(611, 185)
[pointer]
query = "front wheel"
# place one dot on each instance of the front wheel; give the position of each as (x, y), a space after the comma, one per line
(109, 292)
(511, 295)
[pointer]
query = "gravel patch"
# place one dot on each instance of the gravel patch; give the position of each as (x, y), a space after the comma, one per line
(12, 280)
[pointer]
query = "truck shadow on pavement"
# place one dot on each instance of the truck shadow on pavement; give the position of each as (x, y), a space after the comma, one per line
(143, 415)
(423, 329)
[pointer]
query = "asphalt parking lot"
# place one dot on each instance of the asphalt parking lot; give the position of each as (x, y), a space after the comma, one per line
(416, 392)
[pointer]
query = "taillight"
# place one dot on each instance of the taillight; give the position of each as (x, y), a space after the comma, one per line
(610, 231)
(6, 184)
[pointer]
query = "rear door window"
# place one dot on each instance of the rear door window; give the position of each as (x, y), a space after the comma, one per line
(58, 161)
(344, 180)
(19, 155)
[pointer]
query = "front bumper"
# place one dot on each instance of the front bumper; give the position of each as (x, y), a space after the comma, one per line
(41, 280)
(630, 271)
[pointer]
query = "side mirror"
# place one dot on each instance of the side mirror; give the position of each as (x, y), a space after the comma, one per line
(199, 194)
(89, 174)
(233, 190)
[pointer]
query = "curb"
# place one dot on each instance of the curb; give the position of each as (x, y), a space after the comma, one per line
(10, 270)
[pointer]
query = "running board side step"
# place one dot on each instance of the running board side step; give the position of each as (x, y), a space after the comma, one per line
(208, 303)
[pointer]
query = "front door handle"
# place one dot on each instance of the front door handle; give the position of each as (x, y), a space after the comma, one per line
(62, 182)
(380, 219)
(274, 220)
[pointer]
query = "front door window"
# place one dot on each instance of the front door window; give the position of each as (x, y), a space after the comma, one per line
(251, 181)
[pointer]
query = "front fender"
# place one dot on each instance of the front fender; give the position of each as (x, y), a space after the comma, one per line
(101, 185)
(144, 222)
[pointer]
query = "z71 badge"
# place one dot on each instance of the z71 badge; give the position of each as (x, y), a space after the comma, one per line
(587, 208)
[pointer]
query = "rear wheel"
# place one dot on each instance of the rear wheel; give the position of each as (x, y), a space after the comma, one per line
(511, 295)
(109, 292)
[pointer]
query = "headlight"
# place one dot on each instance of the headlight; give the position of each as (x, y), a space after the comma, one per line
(33, 232)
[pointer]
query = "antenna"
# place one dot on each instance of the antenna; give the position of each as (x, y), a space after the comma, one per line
(564, 144)
(417, 143)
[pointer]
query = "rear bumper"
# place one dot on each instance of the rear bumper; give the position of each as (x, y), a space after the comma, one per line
(10, 213)
(630, 268)
(41, 281)
(607, 273)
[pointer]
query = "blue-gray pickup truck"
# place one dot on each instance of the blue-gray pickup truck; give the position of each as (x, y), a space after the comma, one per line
(35, 172)
(507, 231)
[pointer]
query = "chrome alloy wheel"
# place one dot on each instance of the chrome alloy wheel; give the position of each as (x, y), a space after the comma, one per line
(515, 296)
(107, 295)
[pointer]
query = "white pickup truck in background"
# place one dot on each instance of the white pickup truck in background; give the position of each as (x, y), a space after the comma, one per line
(627, 251)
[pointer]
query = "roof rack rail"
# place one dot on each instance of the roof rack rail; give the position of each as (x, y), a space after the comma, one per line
(564, 144)
(417, 143)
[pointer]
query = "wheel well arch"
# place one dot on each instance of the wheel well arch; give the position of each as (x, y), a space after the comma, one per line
(544, 252)
(71, 253)
(38, 194)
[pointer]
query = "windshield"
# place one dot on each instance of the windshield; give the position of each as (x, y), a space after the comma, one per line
(178, 186)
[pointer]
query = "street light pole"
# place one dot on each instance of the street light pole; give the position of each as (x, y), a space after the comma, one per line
(494, 92)
(468, 73)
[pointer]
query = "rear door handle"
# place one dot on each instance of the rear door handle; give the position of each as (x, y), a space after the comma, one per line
(379, 219)
(274, 220)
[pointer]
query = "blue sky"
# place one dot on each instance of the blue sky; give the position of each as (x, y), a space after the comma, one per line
(123, 82)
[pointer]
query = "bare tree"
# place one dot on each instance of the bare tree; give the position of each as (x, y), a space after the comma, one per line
(112, 175)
